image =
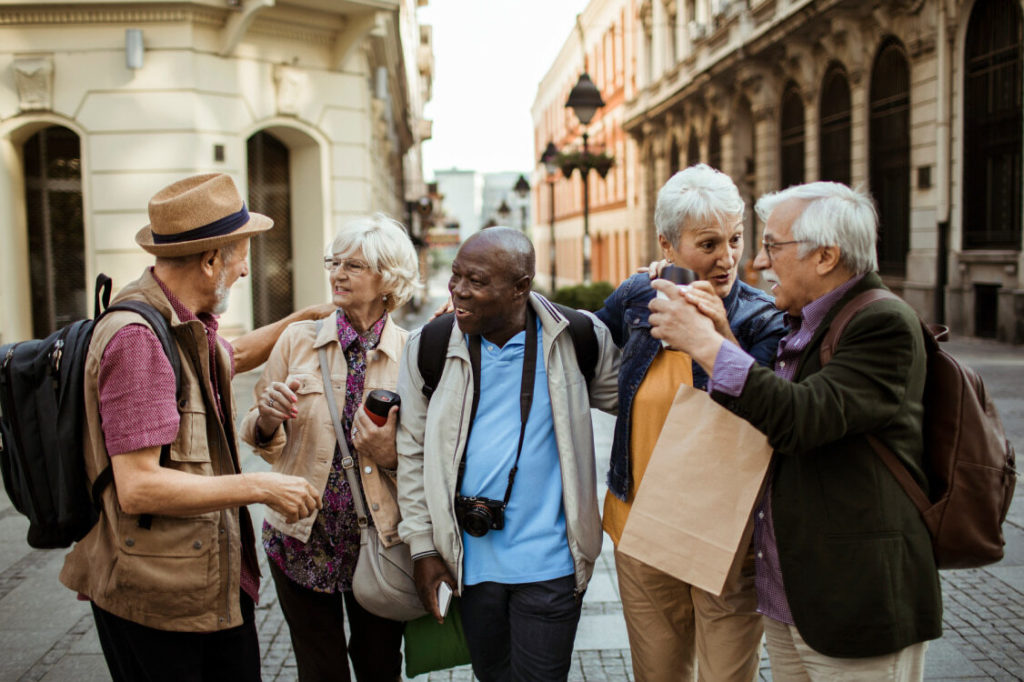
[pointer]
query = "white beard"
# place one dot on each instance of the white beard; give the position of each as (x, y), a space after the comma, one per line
(223, 293)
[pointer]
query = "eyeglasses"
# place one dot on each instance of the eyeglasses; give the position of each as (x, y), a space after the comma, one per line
(350, 265)
(768, 246)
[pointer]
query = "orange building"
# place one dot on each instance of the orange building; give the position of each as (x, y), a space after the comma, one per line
(602, 45)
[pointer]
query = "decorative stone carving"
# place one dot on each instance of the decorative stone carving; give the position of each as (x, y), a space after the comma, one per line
(907, 6)
(34, 79)
(291, 86)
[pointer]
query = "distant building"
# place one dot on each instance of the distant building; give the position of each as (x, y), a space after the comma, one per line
(917, 100)
(315, 108)
(472, 199)
(461, 198)
(606, 51)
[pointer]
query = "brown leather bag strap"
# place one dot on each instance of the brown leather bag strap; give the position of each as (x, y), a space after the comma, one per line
(902, 474)
(828, 347)
(839, 322)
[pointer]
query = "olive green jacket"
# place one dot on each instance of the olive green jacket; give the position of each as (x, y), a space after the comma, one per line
(856, 558)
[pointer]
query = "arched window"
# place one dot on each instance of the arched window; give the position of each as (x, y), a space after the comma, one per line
(889, 156)
(270, 194)
(56, 230)
(992, 126)
(834, 147)
(692, 148)
(715, 145)
(792, 132)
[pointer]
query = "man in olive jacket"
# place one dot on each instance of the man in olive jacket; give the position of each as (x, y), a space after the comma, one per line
(846, 578)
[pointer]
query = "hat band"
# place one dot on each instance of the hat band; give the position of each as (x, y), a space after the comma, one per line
(217, 228)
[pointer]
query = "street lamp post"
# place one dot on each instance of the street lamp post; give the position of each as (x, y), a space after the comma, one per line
(504, 211)
(585, 100)
(550, 160)
(522, 190)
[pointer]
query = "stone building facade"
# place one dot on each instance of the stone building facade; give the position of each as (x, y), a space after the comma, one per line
(917, 100)
(315, 107)
(602, 45)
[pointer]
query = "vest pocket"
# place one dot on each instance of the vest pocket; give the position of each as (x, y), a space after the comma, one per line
(193, 444)
(167, 569)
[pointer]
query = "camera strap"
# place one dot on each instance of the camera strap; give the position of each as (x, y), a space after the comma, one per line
(525, 394)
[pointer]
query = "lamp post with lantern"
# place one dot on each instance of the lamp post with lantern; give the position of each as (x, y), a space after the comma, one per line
(504, 211)
(550, 160)
(585, 99)
(522, 190)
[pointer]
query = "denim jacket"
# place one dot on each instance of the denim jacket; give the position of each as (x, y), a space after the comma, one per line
(755, 322)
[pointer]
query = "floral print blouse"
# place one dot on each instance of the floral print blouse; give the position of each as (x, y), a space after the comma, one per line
(326, 562)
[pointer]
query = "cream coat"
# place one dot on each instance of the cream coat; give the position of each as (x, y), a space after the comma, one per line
(304, 446)
(432, 439)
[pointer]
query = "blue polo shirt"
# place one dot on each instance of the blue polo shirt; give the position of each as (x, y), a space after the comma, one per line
(533, 545)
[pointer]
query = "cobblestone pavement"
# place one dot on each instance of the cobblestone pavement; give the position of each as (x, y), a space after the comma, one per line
(46, 634)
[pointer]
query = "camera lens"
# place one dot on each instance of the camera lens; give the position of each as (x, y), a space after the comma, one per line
(477, 520)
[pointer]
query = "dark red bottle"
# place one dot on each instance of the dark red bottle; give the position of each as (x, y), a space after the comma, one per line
(379, 403)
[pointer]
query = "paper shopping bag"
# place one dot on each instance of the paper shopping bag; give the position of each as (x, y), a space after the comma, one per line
(701, 484)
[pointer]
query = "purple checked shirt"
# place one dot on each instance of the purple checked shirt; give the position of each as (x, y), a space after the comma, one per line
(732, 366)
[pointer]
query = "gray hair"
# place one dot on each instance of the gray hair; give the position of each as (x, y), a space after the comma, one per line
(227, 252)
(834, 215)
(698, 194)
(387, 248)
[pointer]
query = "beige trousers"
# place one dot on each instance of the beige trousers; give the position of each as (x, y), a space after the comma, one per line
(675, 628)
(793, 660)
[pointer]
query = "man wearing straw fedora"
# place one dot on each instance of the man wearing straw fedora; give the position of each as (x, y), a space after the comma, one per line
(171, 567)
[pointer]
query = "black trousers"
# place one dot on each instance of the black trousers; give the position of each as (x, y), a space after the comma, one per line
(521, 633)
(136, 653)
(315, 620)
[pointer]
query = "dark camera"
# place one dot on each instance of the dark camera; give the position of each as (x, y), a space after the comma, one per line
(677, 275)
(477, 515)
(379, 403)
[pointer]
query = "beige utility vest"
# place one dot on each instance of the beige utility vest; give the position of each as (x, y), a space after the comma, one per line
(182, 573)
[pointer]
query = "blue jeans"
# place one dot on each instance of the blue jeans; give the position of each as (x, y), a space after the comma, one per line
(521, 632)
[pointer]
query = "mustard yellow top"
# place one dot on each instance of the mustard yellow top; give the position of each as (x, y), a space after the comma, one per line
(651, 404)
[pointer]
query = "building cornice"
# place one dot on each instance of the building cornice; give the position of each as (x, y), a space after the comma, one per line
(64, 15)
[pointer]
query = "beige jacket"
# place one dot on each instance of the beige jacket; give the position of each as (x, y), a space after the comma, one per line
(432, 439)
(304, 446)
(183, 573)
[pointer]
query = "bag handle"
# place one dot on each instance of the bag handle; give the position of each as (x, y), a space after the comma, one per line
(348, 462)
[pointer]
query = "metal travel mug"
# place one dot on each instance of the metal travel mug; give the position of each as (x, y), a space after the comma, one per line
(676, 275)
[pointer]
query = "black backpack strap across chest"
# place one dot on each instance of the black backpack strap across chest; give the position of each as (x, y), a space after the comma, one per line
(160, 326)
(433, 350)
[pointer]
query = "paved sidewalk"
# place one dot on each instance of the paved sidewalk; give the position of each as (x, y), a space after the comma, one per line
(46, 634)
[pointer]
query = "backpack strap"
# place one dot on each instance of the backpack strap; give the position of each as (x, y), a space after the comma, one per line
(435, 334)
(162, 329)
(839, 322)
(584, 340)
(827, 350)
(433, 351)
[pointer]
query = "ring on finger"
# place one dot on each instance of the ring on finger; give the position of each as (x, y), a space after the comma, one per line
(270, 402)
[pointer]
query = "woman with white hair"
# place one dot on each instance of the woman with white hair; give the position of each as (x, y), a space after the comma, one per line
(373, 270)
(676, 629)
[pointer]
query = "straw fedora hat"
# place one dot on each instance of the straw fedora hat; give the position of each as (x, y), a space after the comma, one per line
(198, 214)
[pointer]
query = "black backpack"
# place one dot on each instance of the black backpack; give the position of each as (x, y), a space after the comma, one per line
(434, 344)
(42, 413)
